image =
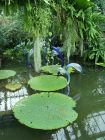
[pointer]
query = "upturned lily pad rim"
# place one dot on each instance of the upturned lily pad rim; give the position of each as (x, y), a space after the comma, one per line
(24, 118)
(47, 83)
(5, 74)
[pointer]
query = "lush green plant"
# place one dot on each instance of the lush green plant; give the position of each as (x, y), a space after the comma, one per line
(19, 52)
(100, 6)
(76, 25)
(95, 49)
(11, 30)
(11, 34)
(96, 52)
(73, 21)
(37, 21)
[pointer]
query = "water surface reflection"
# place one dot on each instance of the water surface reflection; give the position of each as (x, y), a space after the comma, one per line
(89, 91)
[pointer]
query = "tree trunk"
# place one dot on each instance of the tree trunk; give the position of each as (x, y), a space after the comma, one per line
(38, 43)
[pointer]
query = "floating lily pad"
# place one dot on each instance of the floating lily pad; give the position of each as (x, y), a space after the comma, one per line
(47, 82)
(13, 86)
(45, 111)
(53, 69)
(4, 74)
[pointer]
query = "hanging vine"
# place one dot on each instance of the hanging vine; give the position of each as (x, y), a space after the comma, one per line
(71, 20)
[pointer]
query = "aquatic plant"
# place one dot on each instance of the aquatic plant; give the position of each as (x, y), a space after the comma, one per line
(4, 74)
(13, 86)
(53, 69)
(47, 82)
(57, 70)
(45, 111)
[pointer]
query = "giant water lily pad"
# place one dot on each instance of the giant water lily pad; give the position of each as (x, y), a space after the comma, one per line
(47, 82)
(53, 69)
(4, 74)
(45, 111)
(13, 86)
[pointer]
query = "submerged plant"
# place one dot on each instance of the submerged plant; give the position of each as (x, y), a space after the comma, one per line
(13, 86)
(45, 111)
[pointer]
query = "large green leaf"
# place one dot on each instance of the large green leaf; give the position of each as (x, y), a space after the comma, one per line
(53, 69)
(47, 82)
(4, 74)
(45, 111)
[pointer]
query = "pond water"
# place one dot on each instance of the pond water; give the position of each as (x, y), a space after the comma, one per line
(88, 89)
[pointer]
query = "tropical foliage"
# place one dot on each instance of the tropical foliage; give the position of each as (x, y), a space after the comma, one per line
(75, 23)
(11, 34)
